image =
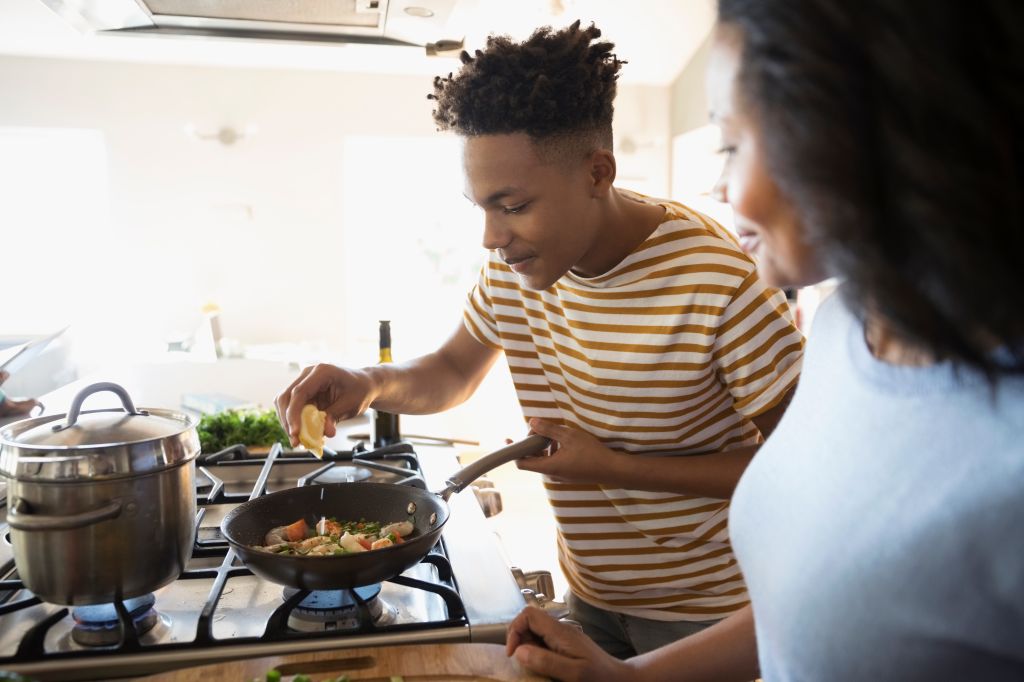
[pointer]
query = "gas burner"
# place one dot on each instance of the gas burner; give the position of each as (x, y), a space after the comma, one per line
(338, 609)
(344, 473)
(98, 625)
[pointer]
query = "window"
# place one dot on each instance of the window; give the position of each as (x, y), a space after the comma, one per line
(54, 212)
(412, 241)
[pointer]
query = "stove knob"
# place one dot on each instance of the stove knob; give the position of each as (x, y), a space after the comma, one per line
(538, 589)
(489, 500)
(540, 582)
(555, 609)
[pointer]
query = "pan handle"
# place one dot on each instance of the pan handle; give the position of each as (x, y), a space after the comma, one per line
(463, 477)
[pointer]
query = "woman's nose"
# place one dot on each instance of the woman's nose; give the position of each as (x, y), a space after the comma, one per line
(720, 190)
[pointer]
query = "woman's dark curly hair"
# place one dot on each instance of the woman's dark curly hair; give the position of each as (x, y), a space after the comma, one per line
(554, 84)
(895, 127)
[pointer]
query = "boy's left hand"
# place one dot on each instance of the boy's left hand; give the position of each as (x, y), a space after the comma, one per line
(575, 455)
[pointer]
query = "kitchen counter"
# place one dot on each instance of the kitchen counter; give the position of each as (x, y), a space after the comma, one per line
(413, 663)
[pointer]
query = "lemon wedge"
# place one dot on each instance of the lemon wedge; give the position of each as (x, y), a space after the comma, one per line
(311, 429)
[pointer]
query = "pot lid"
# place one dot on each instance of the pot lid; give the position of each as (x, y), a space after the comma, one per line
(97, 443)
(104, 427)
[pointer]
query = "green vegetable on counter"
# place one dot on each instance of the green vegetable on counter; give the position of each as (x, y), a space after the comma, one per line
(248, 427)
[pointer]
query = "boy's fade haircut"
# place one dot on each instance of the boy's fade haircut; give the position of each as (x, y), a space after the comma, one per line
(557, 87)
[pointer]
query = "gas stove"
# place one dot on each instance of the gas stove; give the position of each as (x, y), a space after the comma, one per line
(462, 591)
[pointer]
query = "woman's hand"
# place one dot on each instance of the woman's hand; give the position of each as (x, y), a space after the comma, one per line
(545, 646)
(575, 455)
(341, 393)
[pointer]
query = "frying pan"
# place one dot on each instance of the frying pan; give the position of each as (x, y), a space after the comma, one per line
(246, 525)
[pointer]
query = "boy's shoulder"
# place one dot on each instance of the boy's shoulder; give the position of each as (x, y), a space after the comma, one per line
(684, 221)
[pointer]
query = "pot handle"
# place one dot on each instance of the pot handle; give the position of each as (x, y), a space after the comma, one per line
(19, 518)
(76, 404)
(463, 477)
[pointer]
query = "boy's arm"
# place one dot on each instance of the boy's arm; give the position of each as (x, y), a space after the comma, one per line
(581, 458)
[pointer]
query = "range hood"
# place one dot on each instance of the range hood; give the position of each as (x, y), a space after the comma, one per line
(424, 23)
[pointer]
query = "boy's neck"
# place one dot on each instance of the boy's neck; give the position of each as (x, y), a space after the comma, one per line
(624, 225)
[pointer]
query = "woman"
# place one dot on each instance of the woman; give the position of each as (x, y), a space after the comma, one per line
(879, 528)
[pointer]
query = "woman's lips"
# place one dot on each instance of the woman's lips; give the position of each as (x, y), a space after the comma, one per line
(750, 241)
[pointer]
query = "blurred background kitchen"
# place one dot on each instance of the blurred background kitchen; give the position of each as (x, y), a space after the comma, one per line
(221, 209)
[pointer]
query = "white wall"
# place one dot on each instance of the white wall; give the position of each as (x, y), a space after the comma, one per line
(256, 226)
(249, 226)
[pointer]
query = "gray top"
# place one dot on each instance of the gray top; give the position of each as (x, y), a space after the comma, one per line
(881, 527)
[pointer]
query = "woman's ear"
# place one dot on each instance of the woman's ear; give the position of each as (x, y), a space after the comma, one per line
(601, 172)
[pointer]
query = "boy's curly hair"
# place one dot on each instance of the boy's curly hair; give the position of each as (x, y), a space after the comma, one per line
(555, 84)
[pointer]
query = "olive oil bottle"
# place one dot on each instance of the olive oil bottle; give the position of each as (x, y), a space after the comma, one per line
(385, 424)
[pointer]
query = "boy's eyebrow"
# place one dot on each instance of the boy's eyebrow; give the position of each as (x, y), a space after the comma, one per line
(495, 197)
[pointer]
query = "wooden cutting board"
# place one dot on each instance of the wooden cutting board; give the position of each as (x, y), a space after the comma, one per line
(413, 663)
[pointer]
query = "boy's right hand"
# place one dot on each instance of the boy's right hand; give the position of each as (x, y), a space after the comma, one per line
(341, 393)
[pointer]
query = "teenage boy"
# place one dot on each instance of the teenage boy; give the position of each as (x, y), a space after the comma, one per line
(638, 334)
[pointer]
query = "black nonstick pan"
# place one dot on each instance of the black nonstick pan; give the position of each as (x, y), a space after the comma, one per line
(246, 525)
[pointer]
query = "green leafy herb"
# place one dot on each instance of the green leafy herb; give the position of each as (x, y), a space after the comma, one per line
(248, 427)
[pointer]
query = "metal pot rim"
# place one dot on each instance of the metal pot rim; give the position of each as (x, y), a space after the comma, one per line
(7, 433)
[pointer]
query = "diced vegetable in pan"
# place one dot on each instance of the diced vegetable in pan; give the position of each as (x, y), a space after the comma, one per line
(330, 537)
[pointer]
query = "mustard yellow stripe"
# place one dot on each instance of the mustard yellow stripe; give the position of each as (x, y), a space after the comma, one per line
(627, 383)
(631, 501)
(608, 313)
(575, 388)
(601, 328)
(697, 542)
(751, 355)
(672, 236)
(588, 571)
(714, 409)
(477, 334)
(680, 290)
(708, 396)
(559, 350)
(624, 535)
(481, 311)
(640, 516)
(683, 608)
(770, 368)
(648, 551)
(672, 256)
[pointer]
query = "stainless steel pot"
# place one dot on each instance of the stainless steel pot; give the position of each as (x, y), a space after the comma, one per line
(102, 503)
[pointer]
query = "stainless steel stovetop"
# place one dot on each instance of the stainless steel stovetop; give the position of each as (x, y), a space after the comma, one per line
(463, 591)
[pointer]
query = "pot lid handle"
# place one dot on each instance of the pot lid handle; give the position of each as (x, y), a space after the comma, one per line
(76, 404)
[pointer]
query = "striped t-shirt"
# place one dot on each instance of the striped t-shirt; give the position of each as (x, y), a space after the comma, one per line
(670, 352)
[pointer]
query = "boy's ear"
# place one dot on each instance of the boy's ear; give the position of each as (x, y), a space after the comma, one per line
(602, 172)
